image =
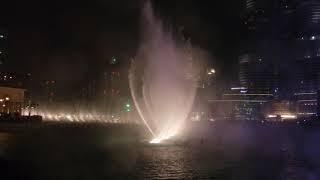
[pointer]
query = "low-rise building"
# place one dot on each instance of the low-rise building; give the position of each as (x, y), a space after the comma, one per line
(11, 99)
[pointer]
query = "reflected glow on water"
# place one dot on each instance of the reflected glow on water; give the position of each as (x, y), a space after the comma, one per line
(114, 154)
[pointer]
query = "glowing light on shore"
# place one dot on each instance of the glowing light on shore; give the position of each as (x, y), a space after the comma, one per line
(288, 116)
(64, 116)
(283, 116)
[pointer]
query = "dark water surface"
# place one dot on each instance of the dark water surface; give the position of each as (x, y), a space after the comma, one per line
(113, 152)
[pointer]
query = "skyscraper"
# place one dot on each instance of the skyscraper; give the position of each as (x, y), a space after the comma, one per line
(281, 53)
(257, 72)
(307, 56)
(266, 51)
(3, 46)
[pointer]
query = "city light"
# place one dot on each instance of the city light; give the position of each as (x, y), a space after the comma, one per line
(311, 93)
(282, 116)
(113, 60)
(7, 98)
(238, 88)
(127, 107)
(287, 116)
(63, 116)
(211, 71)
(248, 94)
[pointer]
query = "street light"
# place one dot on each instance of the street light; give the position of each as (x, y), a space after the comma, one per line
(127, 107)
(211, 71)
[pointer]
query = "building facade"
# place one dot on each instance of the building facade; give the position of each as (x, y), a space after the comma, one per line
(280, 53)
(307, 57)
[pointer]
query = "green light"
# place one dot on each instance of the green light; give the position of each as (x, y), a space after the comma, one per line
(127, 107)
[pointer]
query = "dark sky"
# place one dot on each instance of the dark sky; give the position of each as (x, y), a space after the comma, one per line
(66, 40)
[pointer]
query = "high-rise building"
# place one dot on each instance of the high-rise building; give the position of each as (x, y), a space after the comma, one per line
(281, 53)
(258, 73)
(3, 46)
(307, 56)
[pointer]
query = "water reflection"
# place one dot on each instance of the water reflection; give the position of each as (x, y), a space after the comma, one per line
(164, 163)
(95, 152)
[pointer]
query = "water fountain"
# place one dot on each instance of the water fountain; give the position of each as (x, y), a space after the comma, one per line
(161, 79)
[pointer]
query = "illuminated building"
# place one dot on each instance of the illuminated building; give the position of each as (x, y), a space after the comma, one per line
(116, 95)
(15, 80)
(280, 56)
(258, 72)
(265, 54)
(3, 46)
(14, 87)
(307, 57)
(281, 53)
(280, 111)
(11, 99)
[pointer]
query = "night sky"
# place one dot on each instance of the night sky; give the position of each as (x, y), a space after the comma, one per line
(67, 40)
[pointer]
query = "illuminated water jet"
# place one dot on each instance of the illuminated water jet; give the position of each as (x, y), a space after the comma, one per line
(161, 80)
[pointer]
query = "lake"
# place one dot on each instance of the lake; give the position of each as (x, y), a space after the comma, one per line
(95, 151)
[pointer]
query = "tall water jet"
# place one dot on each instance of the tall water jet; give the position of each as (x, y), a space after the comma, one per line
(161, 79)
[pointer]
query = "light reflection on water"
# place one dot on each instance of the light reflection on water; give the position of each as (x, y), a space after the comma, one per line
(189, 163)
(73, 153)
(164, 163)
